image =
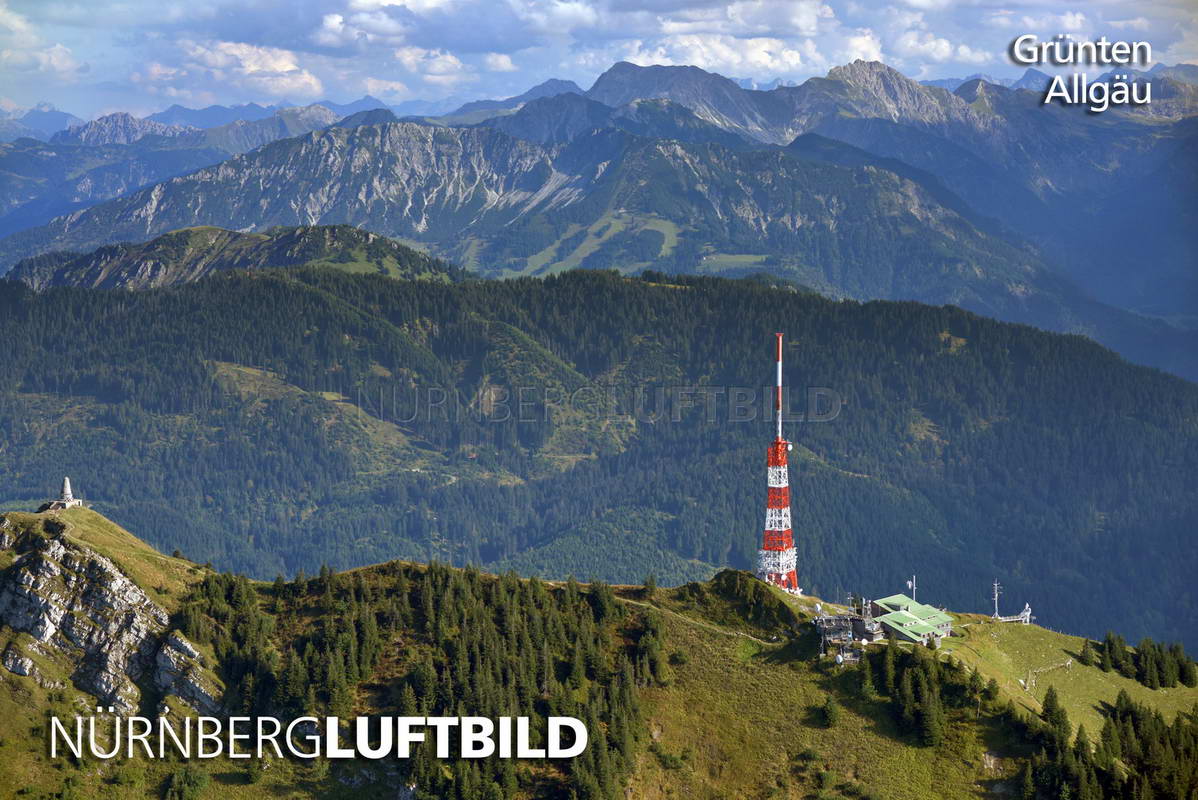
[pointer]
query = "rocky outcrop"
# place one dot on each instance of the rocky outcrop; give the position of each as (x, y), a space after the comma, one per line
(16, 663)
(84, 612)
(118, 128)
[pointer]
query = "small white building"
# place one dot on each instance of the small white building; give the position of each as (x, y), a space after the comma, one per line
(67, 500)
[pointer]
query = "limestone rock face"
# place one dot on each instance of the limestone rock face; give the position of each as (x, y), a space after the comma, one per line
(84, 612)
(16, 663)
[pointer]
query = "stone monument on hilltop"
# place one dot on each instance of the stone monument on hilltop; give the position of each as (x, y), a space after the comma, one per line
(67, 500)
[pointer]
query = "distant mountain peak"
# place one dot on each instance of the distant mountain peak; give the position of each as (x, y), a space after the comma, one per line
(549, 88)
(118, 128)
(861, 71)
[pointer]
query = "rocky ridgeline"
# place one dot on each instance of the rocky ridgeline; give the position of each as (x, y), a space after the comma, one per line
(83, 612)
(118, 128)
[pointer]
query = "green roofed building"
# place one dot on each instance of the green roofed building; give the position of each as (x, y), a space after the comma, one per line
(912, 621)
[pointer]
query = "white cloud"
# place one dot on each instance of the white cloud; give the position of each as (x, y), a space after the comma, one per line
(438, 67)
(499, 62)
(969, 55)
(730, 55)
(23, 50)
(56, 60)
(750, 18)
(332, 31)
(415, 6)
(271, 70)
(1070, 21)
(156, 72)
(1183, 51)
(378, 87)
(916, 44)
(1002, 18)
(1136, 24)
(15, 30)
(864, 45)
(556, 17)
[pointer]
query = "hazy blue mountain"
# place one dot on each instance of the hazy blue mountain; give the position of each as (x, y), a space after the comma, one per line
(1033, 79)
(48, 120)
(554, 119)
(41, 181)
(243, 135)
(952, 83)
(12, 129)
(211, 116)
(1185, 73)
(549, 88)
(364, 103)
(376, 116)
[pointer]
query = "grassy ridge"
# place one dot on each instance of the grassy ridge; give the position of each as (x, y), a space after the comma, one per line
(739, 714)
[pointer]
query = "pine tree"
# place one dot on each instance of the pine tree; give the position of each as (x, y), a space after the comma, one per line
(976, 686)
(866, 678)
(1081, 745)
(1027, 783)
(1189, 673)
(906, 701)
(889, 664)
(931, 721)
(1087, 655)
(1053, 713)
(1110, 739)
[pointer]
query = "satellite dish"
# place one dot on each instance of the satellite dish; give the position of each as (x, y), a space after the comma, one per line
(790, 446)
(839, 658)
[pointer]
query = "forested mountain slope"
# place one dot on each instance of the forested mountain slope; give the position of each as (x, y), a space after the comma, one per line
(271, 420)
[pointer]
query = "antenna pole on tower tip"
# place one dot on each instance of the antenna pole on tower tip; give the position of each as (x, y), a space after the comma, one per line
(778, 387)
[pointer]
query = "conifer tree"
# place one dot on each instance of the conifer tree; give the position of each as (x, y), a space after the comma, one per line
(1027, 783)
(906, 701)
(889, 664)
(1086, 656)
(866, 678)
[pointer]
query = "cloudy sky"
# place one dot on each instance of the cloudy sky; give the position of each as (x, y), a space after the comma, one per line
(93, 56)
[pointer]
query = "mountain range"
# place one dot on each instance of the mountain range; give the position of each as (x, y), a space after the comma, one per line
(119, 153)
(982, 196)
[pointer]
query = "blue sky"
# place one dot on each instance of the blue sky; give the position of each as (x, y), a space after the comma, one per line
(92, 56)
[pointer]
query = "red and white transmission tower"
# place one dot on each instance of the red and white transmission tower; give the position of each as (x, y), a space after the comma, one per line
(776, 558)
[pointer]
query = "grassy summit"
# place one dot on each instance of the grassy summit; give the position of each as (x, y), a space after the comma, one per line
(729, 699)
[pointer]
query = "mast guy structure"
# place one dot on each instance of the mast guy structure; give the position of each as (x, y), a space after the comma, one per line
(776, 558)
